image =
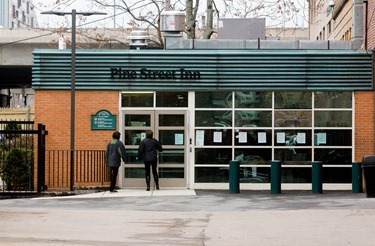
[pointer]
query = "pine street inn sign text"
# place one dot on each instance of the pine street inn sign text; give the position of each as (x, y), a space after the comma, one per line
(145, 73)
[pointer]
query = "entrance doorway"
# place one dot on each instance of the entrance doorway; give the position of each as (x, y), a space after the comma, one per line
(170, 129)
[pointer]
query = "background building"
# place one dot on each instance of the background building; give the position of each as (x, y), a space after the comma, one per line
(17, 13)
(336, 20)
(369, 20)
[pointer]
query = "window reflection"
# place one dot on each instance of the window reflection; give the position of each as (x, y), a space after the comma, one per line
(293, 99)
(213, 156)
(215, 99)
(334, 156)
(171, 99)
(247, 156)
(213, 118)
(137, 120)
(132, 157)
(134, 172)
(333, 118)
(172, 156)
(333, 99)
(137, 99)
(174, 173)
(293, 156)
(252, 99)
(253, 118)
(171, 120)
(211, 175)
(293, 119)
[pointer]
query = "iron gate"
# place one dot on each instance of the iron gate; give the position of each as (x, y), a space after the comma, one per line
(22, 163)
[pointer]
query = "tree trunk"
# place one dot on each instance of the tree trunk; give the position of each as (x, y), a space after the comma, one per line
(208, 30)
(191, 14)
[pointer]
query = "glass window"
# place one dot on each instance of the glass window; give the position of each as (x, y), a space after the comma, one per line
(172, 156)
(293, 119)
(251, 99)
(252, 118)
(217, 137)
(250, 156)
(132, 157)
(296, 175)
(134, 172)
(171, 99)
(293, 156)
(333, 156)
(333, 138)
(293, 100)
(137, 99)
(171, 120)
(253, 137)
(254, 175)
(133, 137)
(213, 156)
(293, 138)
(333, 118)
(214, 99)
(137, 120)
(171, 137)
(337, 175)
(333, 99)
(167, 172)
(211, 174)
(213, 118)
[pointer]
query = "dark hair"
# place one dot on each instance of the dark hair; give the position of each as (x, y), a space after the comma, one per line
(116, 135)
(149, 134)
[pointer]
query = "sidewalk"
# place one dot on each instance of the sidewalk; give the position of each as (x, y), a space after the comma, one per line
(130, 192)
(179, 217)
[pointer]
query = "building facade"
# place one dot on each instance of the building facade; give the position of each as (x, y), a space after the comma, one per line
(337, 20)
(369, 30)
(209, 106)
(17, 13)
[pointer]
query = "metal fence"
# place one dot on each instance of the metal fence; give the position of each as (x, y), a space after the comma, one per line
(17, 153)
(89, 169)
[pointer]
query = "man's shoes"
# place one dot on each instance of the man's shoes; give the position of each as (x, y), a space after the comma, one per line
(113, 191)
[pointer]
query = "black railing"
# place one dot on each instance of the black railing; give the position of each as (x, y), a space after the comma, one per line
(17, 154)
(89, 169)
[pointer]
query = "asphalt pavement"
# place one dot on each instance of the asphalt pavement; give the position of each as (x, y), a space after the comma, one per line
(190, 217)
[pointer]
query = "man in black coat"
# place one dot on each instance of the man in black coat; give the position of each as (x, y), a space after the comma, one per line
(148, 152)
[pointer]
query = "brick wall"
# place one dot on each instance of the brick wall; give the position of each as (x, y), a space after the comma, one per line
(364, 124)
(52, 108)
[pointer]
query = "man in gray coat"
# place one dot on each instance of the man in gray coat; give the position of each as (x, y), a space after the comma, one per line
(114, 152)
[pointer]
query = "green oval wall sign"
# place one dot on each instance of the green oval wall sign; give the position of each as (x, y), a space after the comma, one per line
(103, 120)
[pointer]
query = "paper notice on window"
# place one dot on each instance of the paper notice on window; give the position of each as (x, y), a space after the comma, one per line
(242, 137)
(322, 138)
(301, 138)
(178, 139)
(143, 135)
(280, 137)
(262, 137)
(199, 137)
(218, 137)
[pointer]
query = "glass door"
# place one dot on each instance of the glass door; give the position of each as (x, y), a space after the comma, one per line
(169, 128)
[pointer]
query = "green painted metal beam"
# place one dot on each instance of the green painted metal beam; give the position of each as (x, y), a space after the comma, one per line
(218, 69)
